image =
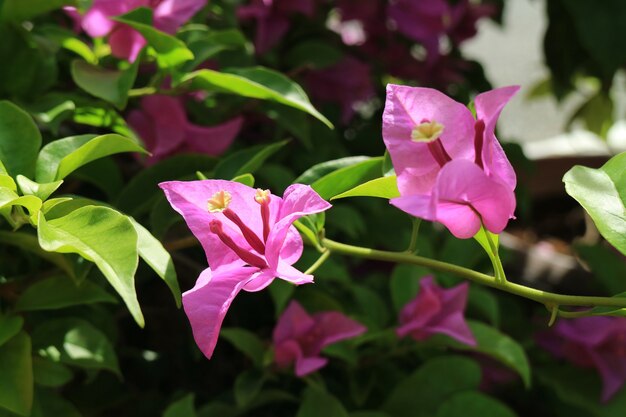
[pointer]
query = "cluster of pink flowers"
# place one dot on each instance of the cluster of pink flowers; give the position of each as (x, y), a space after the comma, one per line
(125, 42)
(450, 166)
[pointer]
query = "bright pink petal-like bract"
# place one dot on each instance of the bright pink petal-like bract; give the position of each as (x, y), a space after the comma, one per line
(249, 239)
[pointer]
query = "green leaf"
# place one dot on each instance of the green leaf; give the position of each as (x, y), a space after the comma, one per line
(281, 292)
(432, 384)
(474, 404)
(50, 374)
(256, 82)
(484, 303)
(110, 85)
(139, 195)
(60, 292)
(602, 193)
(20, 140)
(48, 403)
(347, 178)
(247, 386)
(103, 236)
(75, 342)
(246, 342)
(61, 157)
(104, 174)
(68, 40)
(9, 327)
(596, 113)
(290, 119)
(319, 170)
(20, 10)
(317, 403)
(155, 255)
(246, 179)
(313, 54)
(41, 191)
(31, 203)
(211, 44)
(170, 51)
(181, 408)
(16, 378)
(246, 160)
(6, 181)
(369, 414)
(500, 347)
(384, 187)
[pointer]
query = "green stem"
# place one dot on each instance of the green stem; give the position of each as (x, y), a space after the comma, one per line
(318, 263)
(543, 297)
(498, 270)
(414, 233)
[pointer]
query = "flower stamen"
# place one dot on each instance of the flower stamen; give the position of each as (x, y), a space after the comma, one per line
(263, 198)
(215, 226)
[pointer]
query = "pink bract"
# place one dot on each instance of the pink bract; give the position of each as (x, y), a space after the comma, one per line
(248, 238)
(436, 311)
(125, 42)
(161, 123)
(450, 166)
(592, 342)
(300, 337)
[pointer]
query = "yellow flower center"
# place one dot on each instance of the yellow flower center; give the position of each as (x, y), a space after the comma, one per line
(219, 202)
(426, 132)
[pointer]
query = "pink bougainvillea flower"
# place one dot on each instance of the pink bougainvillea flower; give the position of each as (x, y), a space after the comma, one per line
(592, 342)
(162, 124)
(273, 18)
(300, 337)
(436, 311)
(125, 42)
(347, 83)
(249, 239)
(450, 166)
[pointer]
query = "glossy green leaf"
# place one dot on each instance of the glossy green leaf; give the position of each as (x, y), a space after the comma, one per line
(247, 386)
(20, 140)
(246, 161)
(290, 119)
(31, 203)
(170, 51)
(48, 373)
(155, 255)
(246, 342)
(141, 191)
(16, 378)
(61, 157)
(319, 170)
(42, 191)
(60, 292)
(103, 236)
(9, 327)
(474, 404)
(75, 342)
(110, 85)
(602, 193)
(181, 408)
(212, 43)
(500, 347)
(347, 178)
(256, 82)
(245, 179)
(317, 403)
(20, 10)
(6, 181)
(431, 385)
(384, 187)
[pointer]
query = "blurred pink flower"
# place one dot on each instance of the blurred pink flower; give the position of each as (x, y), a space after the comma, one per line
(125, 42)
(300, 337)
(273, 19)
(346, 83)
(248, 238)
(161, 123)
(436, 311)
(592, 342)
(450, 166)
